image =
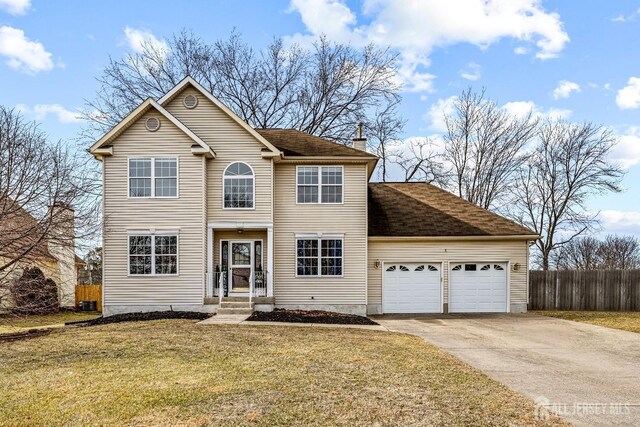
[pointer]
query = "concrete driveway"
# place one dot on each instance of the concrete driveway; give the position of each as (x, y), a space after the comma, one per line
(587, 374)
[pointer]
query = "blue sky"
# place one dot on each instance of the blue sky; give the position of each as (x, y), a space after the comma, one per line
(576, 59)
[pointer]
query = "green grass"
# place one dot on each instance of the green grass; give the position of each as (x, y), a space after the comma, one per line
(173, 372)
(10, 324)
(624, 320)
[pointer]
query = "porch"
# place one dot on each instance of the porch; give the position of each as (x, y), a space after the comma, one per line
(239, 263)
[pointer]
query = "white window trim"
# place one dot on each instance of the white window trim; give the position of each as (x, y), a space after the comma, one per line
(319, 237)
(153, 233)
(253, 175)
(153, 178)
(319, 185)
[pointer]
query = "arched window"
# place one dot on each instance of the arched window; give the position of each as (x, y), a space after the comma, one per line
(238, 186)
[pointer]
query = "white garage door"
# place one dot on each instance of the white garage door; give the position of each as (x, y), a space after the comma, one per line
(478, 288)
(411, 288)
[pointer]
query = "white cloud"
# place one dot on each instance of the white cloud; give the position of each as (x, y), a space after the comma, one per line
(137, 38)
(626, 18)
(521, 50)
(564, 89)
(41, 111)
(437, 112)
(620, 222)
(627, 151)
(522, 108)
(472, 72)
(445, 106)
(15, 7)
(629, 96)
(416, 28)
(23, 54)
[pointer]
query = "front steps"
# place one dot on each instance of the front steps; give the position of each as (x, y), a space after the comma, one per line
(235, 305)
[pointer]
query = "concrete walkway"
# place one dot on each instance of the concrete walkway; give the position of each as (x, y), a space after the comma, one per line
(587, 374)
(241, 319)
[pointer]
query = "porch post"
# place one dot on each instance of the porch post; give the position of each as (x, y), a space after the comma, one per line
(269, 261)
(209, 250)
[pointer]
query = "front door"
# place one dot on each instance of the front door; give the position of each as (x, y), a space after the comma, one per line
(240, 266)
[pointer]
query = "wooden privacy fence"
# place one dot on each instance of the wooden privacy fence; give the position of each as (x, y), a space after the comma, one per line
(598, 290)
(89, 293)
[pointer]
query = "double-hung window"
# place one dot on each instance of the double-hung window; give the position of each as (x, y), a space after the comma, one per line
(153, 177)
(319, 257)
(319, 184)
(153, 254)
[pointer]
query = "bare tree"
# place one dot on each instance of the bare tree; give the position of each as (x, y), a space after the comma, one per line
(581, 253)
(39, 183)
(620, 253)
(382, 133)
(484, 146)
(569, 164)
(418, 160)
(325, 90)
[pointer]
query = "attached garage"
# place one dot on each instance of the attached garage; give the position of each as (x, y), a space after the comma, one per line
(482, 258)
(412, 288)
(478, 287)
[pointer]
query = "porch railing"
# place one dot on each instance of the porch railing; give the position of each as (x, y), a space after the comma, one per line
(217, 284)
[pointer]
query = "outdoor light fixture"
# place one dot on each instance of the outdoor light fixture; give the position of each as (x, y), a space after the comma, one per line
(376, 264)
(516, 267)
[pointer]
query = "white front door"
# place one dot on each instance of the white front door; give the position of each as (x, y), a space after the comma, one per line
(241, 266)
(411, 288)
(478, 287)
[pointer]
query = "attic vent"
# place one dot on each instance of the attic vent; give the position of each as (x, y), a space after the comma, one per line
(190, 101)
(152, 124)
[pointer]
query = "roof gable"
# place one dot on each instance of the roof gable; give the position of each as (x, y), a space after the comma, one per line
(96, 149)
(190, 82)
(417, 209)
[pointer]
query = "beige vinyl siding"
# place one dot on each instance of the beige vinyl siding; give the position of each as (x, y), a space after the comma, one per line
(233, 235)
(348, 218)
(184, 214)
(447, 252)
(231, 143)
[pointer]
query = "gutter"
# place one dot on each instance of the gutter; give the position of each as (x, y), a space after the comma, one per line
(449, 238)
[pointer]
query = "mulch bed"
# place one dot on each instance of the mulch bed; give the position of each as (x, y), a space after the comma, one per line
(138, 317)
(311, 316)
(24, 335)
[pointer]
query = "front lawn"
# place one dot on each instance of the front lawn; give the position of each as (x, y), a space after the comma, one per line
(173, 372)
(625, 320)
(10, 323)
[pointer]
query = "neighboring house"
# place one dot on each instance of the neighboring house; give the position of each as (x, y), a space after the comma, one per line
(20, 233)
(197, 204)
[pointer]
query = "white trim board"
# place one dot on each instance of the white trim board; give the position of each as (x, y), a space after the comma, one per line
(232, 225)
(139, 111)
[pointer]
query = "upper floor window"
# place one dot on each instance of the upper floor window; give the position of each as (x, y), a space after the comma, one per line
(238, 186)
(153, 177)
(319, 184)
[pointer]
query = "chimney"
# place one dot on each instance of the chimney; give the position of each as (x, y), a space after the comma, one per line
(360, 143)
(61, 245)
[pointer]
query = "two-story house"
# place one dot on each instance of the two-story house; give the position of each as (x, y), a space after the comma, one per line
(202, 211)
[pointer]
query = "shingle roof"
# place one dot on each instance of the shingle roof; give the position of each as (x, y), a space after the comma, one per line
(293, 142)
(420, 209)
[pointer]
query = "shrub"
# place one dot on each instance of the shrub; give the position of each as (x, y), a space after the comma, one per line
(33, 293)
